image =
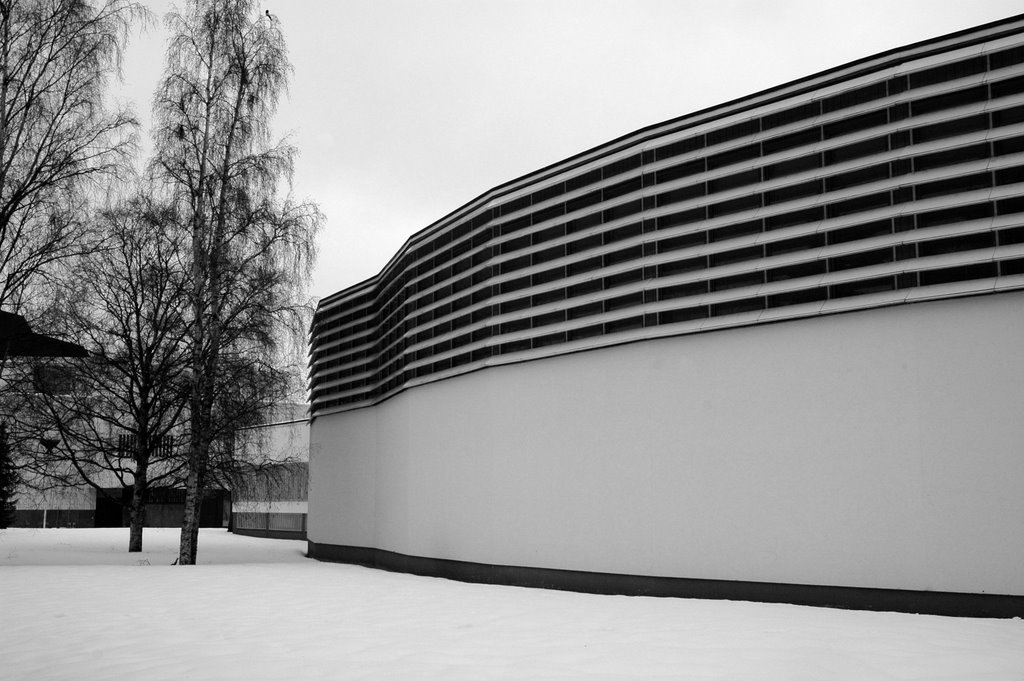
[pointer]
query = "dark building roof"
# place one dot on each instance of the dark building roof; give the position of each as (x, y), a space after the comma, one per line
(18, 340)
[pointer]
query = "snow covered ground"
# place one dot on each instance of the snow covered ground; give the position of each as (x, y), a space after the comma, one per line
(74, 605)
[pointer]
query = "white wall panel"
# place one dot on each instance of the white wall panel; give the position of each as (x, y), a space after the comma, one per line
(880, 448)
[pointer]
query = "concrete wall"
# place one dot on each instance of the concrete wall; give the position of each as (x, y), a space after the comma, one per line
(272, 500)
(877, 449)
(287, 444)
(280, 441)
(62, 507)
(65, 498)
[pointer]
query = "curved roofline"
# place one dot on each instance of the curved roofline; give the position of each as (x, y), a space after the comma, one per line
(686, 120)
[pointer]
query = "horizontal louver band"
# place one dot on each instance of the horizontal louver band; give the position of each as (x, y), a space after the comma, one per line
(878, 187)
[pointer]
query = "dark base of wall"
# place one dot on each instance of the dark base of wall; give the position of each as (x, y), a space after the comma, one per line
(850, 598)
(271, 534)
(27, 518)
(55, 518)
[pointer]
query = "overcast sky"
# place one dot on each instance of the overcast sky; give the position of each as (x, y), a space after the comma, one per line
(404, 110)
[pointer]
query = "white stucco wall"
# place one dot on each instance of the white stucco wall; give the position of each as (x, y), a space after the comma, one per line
(882, 448)
(60, 499)
(279, 441)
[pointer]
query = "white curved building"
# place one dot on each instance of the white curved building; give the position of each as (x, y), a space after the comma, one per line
(770, 350)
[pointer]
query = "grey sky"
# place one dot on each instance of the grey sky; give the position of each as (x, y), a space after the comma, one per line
(404, 110)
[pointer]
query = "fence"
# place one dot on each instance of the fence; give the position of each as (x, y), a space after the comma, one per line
(276, 522)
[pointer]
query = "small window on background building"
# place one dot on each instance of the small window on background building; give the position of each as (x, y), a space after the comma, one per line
(51, 380)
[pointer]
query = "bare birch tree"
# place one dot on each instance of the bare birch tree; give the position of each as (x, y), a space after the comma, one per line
(57, 134)
(120, 418)
(252, 246)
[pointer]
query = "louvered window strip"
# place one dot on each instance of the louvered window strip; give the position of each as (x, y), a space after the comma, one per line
(870, 193)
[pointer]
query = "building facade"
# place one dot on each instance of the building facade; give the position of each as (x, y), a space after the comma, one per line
(269, 498)
(768, 350)
(85, 506)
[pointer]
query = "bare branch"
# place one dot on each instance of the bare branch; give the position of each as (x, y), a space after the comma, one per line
(57, 137)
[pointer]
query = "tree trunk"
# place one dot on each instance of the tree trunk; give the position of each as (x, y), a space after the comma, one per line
(137, 511)
(189, 543)
(199, 444)
(199, 452)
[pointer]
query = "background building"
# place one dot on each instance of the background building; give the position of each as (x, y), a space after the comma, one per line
(629, 372)
(85, 506)
(270, 498)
